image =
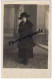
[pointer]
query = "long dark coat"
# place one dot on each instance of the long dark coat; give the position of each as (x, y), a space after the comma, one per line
(25, 46)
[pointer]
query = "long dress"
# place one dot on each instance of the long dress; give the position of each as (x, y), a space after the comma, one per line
(25, 46)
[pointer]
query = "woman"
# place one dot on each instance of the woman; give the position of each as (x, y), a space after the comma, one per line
(25, 45)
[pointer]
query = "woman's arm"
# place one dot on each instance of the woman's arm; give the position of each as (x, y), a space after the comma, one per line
(20, 28)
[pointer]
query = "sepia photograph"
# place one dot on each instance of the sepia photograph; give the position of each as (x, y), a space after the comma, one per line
(26, 36)
(20, 21)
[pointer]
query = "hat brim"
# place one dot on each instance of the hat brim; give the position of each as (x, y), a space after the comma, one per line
(23, 16)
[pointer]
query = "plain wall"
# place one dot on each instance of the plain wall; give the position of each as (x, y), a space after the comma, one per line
(40, 17)
(8, 20)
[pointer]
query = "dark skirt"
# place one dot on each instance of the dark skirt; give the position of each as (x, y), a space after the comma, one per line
(25, 49)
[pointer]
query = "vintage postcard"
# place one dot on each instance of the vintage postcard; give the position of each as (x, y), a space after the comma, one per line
(25, 39)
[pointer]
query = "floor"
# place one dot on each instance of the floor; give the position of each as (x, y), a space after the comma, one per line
(11, 60)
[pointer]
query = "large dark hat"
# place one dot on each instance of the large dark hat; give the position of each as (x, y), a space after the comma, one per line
(24, 14)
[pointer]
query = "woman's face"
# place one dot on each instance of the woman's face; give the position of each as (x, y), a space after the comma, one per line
(24, 19)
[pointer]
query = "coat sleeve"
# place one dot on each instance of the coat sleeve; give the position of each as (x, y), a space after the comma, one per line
(20, 28)
(31, 28)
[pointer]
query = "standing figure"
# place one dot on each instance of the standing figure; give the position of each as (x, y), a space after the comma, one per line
(25, 46)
